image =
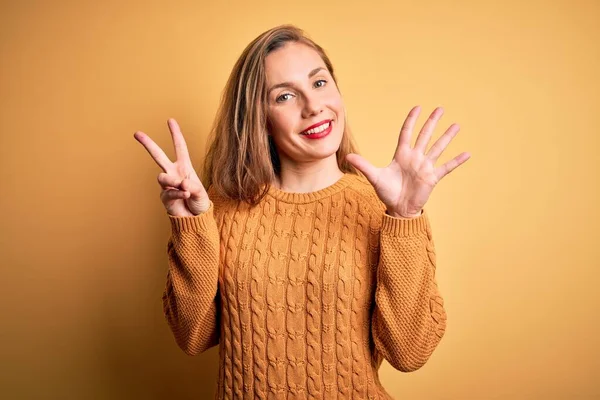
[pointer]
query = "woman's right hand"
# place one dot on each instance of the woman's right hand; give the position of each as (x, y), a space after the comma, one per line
(183, 195)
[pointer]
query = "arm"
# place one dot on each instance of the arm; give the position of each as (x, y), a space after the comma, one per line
(409, 319)
(191, 298)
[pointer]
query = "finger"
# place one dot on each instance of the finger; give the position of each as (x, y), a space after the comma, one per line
(173, 194)
(361, 164)
(155, 151)
(427, 131)
(440, 145)
(195, 188)
(407, 127)
(181, 150)
(452, 165)
(167, 181)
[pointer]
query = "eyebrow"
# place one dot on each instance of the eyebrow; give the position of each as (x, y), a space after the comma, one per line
(285, 84)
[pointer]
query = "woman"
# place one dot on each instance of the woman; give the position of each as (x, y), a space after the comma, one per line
(304, 262)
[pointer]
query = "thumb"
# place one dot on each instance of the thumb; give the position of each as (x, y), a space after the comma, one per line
(361, 164)
(196, 189)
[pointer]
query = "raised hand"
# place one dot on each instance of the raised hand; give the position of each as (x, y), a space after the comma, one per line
(405, 185)
(182, 194)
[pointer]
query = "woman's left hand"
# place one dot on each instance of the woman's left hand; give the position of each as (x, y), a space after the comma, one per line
(404, 186)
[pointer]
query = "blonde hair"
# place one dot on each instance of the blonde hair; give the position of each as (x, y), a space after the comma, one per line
(242, 162)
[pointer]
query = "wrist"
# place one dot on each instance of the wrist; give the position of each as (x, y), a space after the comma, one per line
(394, 214)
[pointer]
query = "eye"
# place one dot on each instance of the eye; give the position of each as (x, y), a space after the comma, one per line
(282, 97)
(320, 83)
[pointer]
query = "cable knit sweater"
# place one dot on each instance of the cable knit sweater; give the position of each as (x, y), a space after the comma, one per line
(305, 293)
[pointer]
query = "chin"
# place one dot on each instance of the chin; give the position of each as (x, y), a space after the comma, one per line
(327, 152)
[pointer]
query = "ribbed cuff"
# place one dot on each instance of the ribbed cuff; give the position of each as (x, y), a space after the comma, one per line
(192, 224)
(405, 226)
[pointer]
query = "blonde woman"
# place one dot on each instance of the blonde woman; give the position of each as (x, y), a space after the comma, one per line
(304, 262)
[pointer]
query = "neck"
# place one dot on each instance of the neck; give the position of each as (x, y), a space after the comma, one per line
(308, 178)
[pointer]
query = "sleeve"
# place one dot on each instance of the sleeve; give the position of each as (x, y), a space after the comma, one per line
(191, 294)
(409, 318)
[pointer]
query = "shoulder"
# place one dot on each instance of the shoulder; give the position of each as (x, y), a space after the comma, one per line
(222, 204)
(362, 191)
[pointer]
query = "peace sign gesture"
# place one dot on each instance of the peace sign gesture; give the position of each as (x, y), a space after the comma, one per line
(405, 185)
(182, 194)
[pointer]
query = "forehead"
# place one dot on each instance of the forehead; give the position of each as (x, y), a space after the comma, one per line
(292, 62)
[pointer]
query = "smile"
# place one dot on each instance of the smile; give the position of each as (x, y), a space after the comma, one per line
(319, 131)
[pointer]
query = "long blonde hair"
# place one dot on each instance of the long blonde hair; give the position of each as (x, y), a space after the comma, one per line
(242, 162)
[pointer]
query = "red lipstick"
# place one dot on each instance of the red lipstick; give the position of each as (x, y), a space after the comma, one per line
(321, 134)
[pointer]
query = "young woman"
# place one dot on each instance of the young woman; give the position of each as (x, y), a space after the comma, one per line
(304, 262)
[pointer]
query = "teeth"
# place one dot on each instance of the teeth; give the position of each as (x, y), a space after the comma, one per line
(317, 129)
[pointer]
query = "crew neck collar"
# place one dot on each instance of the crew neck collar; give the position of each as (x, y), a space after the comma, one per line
(299, 198)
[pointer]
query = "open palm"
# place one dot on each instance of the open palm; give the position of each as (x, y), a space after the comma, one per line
(404, 186)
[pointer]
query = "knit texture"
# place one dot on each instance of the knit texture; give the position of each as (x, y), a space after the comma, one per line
(305, 293)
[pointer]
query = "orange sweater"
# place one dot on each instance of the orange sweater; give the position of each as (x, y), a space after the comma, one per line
(305, 293)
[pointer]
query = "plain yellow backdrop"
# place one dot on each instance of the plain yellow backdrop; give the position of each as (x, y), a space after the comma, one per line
(83, 237)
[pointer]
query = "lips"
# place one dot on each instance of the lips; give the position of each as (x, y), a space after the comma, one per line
(318, 124)
(319, 132)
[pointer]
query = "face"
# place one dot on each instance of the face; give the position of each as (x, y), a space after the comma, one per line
(305, 109)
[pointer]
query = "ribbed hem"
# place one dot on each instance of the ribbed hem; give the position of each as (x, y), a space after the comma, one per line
(191, 224)
(405, 226)
(301, 198)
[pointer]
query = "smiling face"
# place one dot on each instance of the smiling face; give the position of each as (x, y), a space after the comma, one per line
(305, 109)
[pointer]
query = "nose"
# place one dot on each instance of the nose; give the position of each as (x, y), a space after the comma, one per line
(312, 106)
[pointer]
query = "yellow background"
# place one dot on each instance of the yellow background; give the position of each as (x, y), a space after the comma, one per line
(83, 237)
